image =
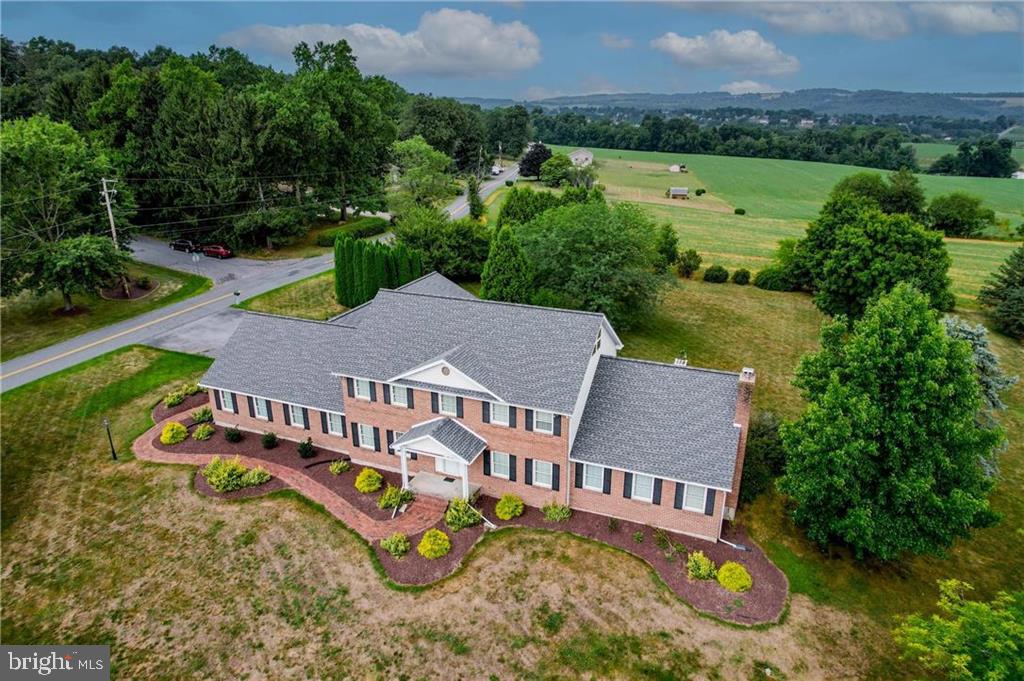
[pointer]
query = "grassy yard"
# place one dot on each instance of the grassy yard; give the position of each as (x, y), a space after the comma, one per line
(30, 322)
(182, 586)
(310, 298)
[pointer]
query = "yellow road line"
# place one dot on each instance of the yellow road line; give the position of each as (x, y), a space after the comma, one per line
(113, 336)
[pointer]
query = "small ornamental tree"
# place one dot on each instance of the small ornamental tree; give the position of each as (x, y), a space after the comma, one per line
(507, 274)
(887, 456)
(80, 264)
(476, 204)
(688, 263)
(533, 159)
(667, 244)
(1003, 293)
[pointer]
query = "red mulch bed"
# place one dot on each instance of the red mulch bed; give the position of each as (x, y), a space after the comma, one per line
(414, 569)
(269, 486)
(191, 403)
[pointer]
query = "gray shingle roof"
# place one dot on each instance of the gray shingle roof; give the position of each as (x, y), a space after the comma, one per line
(449, 433)
(663, 420)
(435, 284)
(528, 356)
(282, 359)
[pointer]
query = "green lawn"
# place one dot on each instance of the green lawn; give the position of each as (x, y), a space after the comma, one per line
(309, 298)
(30, 322)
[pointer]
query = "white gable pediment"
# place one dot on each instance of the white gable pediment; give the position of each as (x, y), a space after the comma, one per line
(442, 373)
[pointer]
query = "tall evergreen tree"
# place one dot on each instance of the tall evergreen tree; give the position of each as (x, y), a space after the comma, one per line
(476, 204)
(507, 274)
(1003, 292)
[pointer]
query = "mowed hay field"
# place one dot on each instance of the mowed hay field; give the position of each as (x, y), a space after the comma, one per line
(929, 152)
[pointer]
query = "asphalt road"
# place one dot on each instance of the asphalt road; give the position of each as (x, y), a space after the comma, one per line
(201, 324)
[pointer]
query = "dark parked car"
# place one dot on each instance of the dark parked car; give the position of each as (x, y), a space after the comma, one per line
(217, 251)
(185, 245)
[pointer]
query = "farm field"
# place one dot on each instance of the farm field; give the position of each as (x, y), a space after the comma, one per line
(928, 152)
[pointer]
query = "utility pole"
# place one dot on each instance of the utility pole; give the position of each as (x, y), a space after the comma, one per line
(108, 194)
(499, 156)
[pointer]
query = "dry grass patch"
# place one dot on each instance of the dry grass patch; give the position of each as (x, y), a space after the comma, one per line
(310, 298)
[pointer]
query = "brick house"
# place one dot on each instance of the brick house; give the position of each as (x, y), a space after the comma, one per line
(462, 396)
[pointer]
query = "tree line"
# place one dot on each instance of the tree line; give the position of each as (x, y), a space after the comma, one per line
(361, 268)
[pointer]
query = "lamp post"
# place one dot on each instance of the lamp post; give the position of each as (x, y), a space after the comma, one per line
(110, 439)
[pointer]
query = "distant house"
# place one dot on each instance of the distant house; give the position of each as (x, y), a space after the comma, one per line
(1019, 175)
(678, 193)
(805, 124)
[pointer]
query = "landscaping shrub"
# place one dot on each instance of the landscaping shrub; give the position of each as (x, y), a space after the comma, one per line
(397, 544)
(700, 192)
(269, 440)
(393, 497)
(556, 513)
(203, 415)
(144, 282)
(435, 544)
(734, 577)
(699, 566)
(688, 263)
(741, 277)
(369, 480)
(232, 434)
(339, 466)
(306, 450)
(740, 211)
(613, 524)
(774, 278)
(765, 459)
(661, 539)
(227, 475)
(460, 514)
(191, 389)
(174, 398)
(203, 432)
(716, 274)
(508, 183)
(638, 537)
(173, 433)
(509, 506)
(255, 476)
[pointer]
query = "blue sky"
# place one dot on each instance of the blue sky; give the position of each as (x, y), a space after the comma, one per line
(527, 49)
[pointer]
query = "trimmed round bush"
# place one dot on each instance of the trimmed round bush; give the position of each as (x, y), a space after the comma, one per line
(173, 433)
(688, 263)
(700, 192)
(397, 544)
(699, 566)
(306, 450)
(773, 278)
(338, 467)
(369, 481)
(741, 277)
(509, 506)
(435, 544)
(203, 432)
(716, 274)
(460, 515)
(174, 398)
(232, 434)
(734, 577)
(269, 440)
(740, 211)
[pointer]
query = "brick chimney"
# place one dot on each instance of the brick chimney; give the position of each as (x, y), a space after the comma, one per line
(744, 398)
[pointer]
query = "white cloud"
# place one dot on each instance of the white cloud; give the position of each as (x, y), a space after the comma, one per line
(744, 51)
(747, 87)
(612, 41)
(446, 43)
(876, 20)
(968, 18)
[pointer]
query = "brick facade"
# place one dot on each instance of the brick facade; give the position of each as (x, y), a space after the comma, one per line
(744, 400)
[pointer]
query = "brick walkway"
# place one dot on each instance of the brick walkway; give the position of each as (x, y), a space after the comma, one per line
(421, 515)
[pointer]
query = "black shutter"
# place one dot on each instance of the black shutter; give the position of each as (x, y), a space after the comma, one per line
(252, 407)
(305, 418)
(529, 419)
(355, 434)
(376, 439)
(486, 406)
(607, 481)
(458, 407)
(433, 402)
(351, 386)
(656, 498)
(344, 432)
(391, 437)
(387, 393)
(373, 391)
(270, 410)
(709, 503)
(287, 413)
(408, 397)
(511, 417)
(216, 399)
(678, 502)
(234, 402)
(511, 468)
(558, 425)
(487, 457)
(528, 478)
(323, 421)
(412, 455)
(556, 477)
(627, 485)
(579, 474)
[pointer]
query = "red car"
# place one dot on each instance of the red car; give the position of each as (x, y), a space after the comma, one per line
(217, 251)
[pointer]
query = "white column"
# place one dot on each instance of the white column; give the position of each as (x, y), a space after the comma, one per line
(405, 468)
(465, 480)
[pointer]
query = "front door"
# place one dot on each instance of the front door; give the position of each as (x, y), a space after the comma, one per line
(447, 466)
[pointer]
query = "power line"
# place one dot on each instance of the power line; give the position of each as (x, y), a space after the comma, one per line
(46, 196)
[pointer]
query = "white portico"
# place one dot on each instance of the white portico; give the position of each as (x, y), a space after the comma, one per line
(454, 448)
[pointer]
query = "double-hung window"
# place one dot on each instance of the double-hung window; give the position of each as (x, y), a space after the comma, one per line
(693, 498)
(449, 405)
(362, 389)
(500, 465)
(366, 436)
(227, 401)
(399, 396)
(593, 477)
(643, 487)
(499, 413)
(298, 417)
(542, 473)
(335, 423)
(544, 422)
(395, 437)
(261, 407)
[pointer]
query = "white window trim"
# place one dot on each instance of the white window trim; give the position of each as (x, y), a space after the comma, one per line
(330, 425)
(546, 431)
(508, 465)
(551, 469)
(300, 421)
(508, 414)
(365, 442)
(405, 395)
(395, 437)
(634, 495)
(355, 389)
(600, 486)
(703, 498)
(256, 402)
(440, 405)
(228, 398)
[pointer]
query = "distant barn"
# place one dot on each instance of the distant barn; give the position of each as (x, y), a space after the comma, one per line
(678, 193)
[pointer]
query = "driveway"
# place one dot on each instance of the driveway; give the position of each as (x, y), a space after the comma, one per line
(460, 206)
